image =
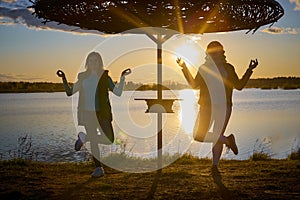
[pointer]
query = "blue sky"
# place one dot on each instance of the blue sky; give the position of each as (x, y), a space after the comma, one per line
(32, 51)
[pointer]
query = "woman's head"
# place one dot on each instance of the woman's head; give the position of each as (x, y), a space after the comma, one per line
(215, 51)
(94, 62)
(214, 47)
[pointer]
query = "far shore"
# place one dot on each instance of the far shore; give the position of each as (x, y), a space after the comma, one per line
(285, 83)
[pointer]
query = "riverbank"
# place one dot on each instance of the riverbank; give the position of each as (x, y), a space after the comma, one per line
(187, 178)
(286, 83)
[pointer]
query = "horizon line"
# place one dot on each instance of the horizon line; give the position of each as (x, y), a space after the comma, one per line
(26, 81)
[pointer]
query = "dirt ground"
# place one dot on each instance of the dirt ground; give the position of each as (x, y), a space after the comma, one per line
(184, 179)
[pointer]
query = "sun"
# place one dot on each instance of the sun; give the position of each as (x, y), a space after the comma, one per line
(190, 51)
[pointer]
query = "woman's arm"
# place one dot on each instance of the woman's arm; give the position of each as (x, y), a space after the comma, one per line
(239, 84)
(188, 76)
(69, 90)
(117, 89)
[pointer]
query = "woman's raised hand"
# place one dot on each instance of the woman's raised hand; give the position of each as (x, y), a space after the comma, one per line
(181, 63)
(60, 74)
(126, 72)
(253, 64)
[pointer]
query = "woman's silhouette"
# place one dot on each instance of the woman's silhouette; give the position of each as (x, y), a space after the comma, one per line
(94, 109)
(209, 111)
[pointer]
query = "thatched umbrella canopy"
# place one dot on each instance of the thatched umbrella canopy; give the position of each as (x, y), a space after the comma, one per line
(185, 16)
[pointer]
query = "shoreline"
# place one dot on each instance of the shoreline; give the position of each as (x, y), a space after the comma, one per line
(59, 91)
(285, 83)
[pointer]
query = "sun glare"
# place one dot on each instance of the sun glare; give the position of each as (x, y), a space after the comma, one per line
(187, 113)
(190, 52)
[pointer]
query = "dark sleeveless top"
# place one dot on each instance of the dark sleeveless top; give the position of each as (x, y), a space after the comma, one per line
(102, 103)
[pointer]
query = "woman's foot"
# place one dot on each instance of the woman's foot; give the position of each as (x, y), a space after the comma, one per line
(98, 172)
(80, 141)
(231, 144)
(215, 170)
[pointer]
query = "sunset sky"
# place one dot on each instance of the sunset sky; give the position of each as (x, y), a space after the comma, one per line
(32, 51)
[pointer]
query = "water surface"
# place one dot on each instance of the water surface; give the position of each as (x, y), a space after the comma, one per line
(265, 120)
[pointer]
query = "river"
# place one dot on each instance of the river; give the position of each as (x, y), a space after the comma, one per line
(262, 120)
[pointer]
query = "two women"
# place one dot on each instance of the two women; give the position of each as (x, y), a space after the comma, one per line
(215, 70)
(94, 109)
(216, 76)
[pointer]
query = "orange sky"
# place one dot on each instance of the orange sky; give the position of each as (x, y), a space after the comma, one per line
(29, 53)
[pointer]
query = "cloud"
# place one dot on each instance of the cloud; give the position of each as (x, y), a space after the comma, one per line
(18, 13)
(9, 77)
(8, 1)
(14, 4)
(277, 30)
(297, 2)
(6, 77)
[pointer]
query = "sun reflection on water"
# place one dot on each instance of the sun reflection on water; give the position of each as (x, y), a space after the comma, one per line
(188, 109)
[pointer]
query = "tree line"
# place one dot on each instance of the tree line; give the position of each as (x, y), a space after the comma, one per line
(275, 83)
(263, 83)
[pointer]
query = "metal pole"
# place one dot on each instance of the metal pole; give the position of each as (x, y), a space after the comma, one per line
(159, 66)
(159, 41)
(159, 96)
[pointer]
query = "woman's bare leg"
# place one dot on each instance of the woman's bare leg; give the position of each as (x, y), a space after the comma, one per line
(218, 146)
(92, 133)
(202, 125)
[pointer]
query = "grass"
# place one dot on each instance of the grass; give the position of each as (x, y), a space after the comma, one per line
(187, 178)
(295, 155)
(260, 156)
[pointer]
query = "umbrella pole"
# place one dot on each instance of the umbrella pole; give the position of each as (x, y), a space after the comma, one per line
(159, 40)
(159, 97)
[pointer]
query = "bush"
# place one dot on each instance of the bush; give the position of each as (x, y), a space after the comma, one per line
(295, 155)
(262, 150)
(260, 156)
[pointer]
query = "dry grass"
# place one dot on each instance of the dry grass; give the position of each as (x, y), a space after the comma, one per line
(187, 178)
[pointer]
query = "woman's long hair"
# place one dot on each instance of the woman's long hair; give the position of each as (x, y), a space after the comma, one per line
(96, 55)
